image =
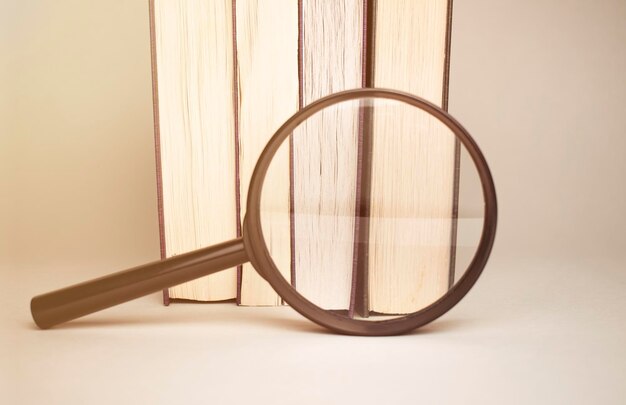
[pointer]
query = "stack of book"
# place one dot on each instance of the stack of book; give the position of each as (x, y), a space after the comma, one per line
(228, 73)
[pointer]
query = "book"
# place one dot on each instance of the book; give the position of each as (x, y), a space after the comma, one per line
(193, 71)
(410, 258)
(324, 164)
(228, 73)
(267, 60)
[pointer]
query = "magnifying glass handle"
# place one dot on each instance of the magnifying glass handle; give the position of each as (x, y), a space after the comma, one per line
(85, 298)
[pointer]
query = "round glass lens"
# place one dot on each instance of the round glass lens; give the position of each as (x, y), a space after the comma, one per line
(372, 209)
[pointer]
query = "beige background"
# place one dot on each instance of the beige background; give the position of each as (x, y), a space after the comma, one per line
(540, 84)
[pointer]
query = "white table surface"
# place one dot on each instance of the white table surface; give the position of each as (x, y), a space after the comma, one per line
(541, 332)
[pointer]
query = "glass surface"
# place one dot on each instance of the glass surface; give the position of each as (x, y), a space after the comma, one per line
(372, 209)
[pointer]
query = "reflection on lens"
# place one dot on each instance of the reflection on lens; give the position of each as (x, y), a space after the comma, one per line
(372, 209)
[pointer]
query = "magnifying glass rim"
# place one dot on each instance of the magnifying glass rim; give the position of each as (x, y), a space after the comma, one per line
(262, 261)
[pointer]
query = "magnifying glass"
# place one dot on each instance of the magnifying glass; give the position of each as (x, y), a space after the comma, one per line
(381, 249)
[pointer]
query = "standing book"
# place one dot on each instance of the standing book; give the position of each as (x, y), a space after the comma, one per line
(194, 99)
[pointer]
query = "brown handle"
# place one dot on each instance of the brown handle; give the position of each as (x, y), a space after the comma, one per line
(85, 298)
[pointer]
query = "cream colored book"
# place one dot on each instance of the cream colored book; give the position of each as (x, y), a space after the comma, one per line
(267, 74)
(411, 227)
(325, 153)
(193, 62)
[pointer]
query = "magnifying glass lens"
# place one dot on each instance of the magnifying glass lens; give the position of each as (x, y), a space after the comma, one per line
(372, 209)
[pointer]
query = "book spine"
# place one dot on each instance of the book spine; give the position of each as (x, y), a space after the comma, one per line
(457, 150)
(292, 220)
(236, 126)
(157, 140)
(359, 294)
